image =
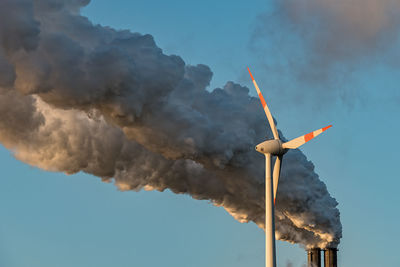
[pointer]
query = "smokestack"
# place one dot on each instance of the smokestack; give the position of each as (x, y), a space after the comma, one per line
(314, 257)
(330, 257)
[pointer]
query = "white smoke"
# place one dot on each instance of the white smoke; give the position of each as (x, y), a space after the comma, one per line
(322, 44)
(81, 97)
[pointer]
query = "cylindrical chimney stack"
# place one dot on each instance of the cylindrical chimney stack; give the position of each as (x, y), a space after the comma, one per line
(330, 257)
(314, 257)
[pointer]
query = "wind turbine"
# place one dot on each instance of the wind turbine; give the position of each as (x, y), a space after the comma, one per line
(276, 148)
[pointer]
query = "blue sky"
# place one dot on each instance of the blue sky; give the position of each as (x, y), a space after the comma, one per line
(51, 219)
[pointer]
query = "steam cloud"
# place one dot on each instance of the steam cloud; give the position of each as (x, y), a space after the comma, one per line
(81, 97)
(321, 43)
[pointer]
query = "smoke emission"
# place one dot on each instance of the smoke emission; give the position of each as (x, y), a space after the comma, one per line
(322, 44)
(81, 97)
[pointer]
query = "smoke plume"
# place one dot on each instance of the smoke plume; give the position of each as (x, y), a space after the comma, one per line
(81, 97)
(323, 43)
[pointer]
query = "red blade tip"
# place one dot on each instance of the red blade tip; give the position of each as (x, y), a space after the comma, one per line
(251, 75)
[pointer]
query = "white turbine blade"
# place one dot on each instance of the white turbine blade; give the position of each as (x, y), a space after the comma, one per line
(295, 143)
(266, 109)
(276, 174)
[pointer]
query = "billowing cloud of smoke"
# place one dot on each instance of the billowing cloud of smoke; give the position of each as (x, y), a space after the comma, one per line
(321, 43)
(79, 97)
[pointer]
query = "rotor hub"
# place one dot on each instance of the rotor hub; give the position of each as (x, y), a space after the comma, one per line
(273, 147)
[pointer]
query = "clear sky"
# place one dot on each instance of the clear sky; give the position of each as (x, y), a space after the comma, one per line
(51, 219)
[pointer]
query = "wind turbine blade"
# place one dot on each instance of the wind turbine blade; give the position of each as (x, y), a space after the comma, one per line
(295, 143)
(276, 174)
(266, 109)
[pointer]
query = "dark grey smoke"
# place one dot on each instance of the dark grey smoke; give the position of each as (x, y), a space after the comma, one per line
(81, 97)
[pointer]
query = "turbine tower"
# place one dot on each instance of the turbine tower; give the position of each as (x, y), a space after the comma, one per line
(275, 148)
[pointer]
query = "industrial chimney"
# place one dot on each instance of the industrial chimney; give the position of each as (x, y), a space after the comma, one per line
(314, 257)
(330, 257)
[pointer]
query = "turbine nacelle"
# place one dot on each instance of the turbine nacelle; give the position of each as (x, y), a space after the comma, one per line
(273, 147)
